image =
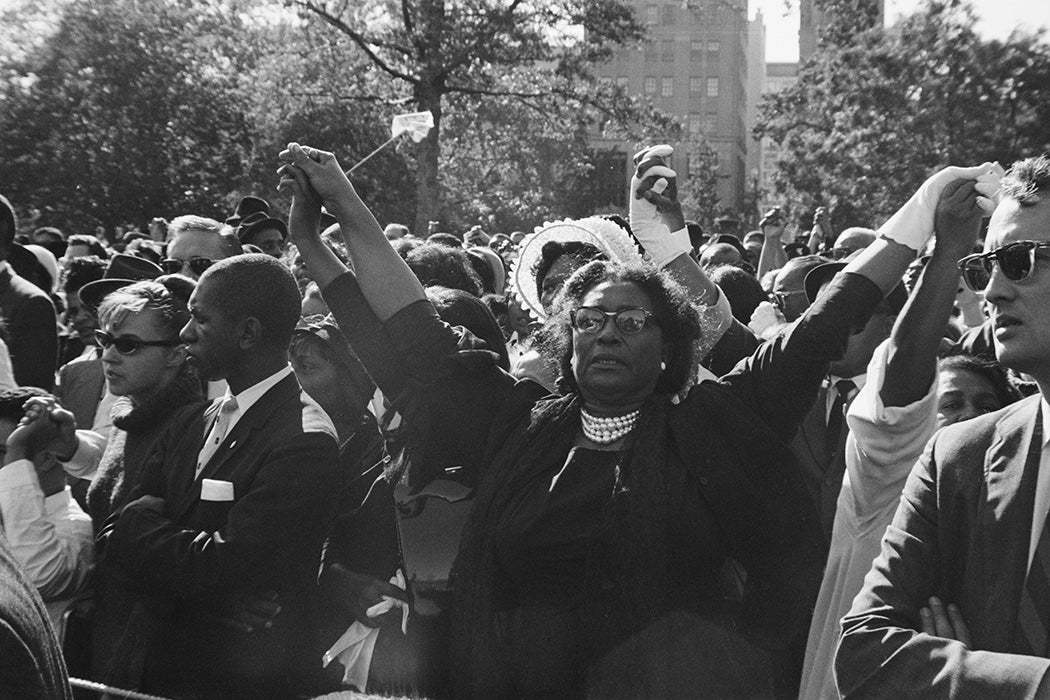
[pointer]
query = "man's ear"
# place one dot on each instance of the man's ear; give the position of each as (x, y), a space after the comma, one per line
(176, 356)
(251, 333)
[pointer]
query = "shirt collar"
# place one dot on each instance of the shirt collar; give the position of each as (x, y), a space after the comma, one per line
(858, 381)
(247, 398)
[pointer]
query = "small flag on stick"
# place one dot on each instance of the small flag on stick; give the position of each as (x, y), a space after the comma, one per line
(416, 124)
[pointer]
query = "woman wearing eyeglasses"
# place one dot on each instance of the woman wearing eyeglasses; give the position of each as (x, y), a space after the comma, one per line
(144, 363)
(622, 542)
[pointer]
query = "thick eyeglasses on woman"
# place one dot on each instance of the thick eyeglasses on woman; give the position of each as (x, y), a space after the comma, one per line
(590, 320)
(129, 345)
(1016, 260)
(197, 264)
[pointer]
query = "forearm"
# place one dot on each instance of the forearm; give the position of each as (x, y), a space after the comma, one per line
(772, 257)
(322, 262)
(884, 263)
(916, 337)
(384, 278)
(689, 274)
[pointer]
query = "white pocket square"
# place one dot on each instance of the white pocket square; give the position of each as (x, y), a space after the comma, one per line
(216, 490)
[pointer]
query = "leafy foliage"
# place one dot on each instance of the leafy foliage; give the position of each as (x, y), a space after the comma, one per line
(874, 112)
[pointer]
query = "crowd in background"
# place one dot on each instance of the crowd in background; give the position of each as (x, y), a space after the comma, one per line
(292, 453)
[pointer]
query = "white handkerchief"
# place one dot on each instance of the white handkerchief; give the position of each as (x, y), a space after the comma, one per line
(216, 490)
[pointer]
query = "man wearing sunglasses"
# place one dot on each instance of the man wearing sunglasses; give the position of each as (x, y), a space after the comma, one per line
(970, 538)
(234, 503)
(196, 243)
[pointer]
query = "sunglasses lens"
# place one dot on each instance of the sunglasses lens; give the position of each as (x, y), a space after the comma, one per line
(588, 320)
(199, 265)
(630, 321)
(1016, 262)
(976, 273)
(125, 346)
(171, 266)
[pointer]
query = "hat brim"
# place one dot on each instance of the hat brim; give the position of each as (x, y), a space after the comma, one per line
(819, 276)
(269, 222)
(92, 293)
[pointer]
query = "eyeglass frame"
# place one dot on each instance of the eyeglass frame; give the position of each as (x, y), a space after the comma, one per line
(615, 315)
(106, 340)
(183, 263)
(778, 299)
(996, 257)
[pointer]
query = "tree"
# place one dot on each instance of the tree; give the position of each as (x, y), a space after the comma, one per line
(443, 53)
(699, 191)
(127, 111)
(874, 112)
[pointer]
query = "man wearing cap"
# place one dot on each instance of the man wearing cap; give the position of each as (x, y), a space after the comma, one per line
(28, 313)
(269, 234)
(246, 207)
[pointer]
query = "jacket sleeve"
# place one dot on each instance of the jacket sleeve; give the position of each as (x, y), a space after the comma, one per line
(882, 654)
(781, 379)
(34, 344)
(288, 507)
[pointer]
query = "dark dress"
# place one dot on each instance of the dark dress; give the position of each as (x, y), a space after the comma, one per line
(627, 596)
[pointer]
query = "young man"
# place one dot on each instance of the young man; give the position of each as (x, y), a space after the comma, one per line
(969, 539)
(233, 508)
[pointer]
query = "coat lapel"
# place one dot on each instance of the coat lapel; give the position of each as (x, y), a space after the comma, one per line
(1005, 521)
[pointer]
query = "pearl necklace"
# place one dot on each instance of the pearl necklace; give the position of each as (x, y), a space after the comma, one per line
(603, 430)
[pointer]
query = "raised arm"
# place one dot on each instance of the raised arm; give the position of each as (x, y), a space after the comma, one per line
(773, 256)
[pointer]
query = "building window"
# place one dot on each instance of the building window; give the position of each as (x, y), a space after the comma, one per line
(710, 123)
(695, 124)
(712, 87)
(667, 87)
(669, 14)
(650, 85)
(696, 86)
(622, 81)
(713, 46)
(696, 50)
(650, 51)
(652, 14)
(667, 51)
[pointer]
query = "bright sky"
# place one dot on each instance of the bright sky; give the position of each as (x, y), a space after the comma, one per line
(996, 19)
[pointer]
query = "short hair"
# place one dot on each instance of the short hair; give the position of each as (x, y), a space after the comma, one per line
(12, 401)
(677, 317)
(579, 251)
(94, 245)
(8, 223)
(446, 239)
(163, 295)
(51, 231)
(741, 288)
(458, 308)
(805, 262)
(255, 285)
(994, 372)
(1026, 179)
(192, 222)
(439, 265)
(82, 270)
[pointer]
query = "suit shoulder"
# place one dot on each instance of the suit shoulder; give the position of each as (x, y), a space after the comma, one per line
(983, 429)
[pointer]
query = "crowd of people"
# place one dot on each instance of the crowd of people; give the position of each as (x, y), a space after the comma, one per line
(280, 456)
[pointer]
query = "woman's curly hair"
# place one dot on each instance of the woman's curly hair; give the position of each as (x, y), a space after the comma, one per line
(677, 317)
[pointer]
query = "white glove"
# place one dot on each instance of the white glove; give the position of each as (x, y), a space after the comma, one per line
(912, 225)
(661, 245)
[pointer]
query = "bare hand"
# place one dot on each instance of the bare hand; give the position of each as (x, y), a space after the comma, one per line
(322, 170)
(945, 622)
(304, 216)
(359, 592)
(957, 219)
(45, 426)
(772, 224)
(252, 614)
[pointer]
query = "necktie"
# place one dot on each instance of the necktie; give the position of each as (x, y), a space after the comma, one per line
(835, 434)
(218, 432)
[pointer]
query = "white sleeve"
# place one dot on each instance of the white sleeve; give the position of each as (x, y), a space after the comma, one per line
(884, 442)
(51, 537)
(84, 462)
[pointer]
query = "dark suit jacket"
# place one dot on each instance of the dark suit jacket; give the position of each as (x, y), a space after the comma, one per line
(961, 533)
(32, 331)
(821, 472)
(201, 559)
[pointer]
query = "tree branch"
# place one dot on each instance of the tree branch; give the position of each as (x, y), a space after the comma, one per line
(363, 43)
(481, 36)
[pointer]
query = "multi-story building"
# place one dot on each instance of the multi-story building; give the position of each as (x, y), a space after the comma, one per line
(778, 76)
(694, 65)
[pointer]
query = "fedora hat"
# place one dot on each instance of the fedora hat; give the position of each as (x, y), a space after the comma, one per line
(121, 271)
(258, 221)
(246, 207)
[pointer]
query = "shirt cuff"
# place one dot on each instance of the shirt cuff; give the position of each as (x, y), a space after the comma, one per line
(18, 474)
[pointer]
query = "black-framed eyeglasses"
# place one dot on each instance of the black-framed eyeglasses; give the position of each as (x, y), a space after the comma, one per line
(1016, 260)
(198, 264)
(129, 345)
(780, 299)
(590, 320)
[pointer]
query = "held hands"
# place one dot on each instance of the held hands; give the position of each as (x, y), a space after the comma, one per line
(364, 594)
(957, 219)
(45, 426)
(318, 169)
(913, 224)
(656, 214)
